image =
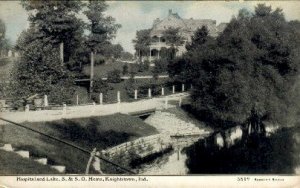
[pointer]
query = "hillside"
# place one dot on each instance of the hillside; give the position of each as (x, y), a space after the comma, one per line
(100, 71)
(12, 163)
(99, 132)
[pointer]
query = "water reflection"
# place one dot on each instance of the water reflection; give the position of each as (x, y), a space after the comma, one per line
(169, 164)
(172, 163)
(278, 153)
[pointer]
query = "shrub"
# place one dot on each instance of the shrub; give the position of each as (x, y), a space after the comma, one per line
(143, 87)
(100, 86)
(114, 76)
(125, 69)
(83, 95)
(99, 60)
(62, 92)
(146, 65)
(143, 66)
(161, 65)
(133, 68)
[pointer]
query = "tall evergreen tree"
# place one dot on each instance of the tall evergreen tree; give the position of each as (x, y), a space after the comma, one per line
(200, 37)
(102, 28)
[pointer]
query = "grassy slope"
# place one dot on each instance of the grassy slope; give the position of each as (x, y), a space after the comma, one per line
(100, 132)
(11, 163)
(102, 70)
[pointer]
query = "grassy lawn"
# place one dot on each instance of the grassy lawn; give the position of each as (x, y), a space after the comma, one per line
(12, 163)
(99, 132)
(111, 96)
(102, 70)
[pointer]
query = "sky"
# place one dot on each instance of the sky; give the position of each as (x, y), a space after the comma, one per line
(137, 15)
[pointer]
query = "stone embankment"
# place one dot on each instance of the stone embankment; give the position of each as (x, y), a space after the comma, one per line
(168, 125)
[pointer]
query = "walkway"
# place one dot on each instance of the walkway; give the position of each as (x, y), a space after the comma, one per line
(141, 77)
(92, 110)
(126, 78)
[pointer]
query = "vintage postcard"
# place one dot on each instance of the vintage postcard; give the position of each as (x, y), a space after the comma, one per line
(149, 93)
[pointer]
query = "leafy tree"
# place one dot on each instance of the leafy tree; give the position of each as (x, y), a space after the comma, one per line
(167, 53)
(167, 57)
(142, 42)
(172, 37)
(102, 28)
(2, 29)
(5, 44)
(252, 64)
(116, 50)
(2, 33)
(51, 23)
(126, 56)
(200, 37)
(38, 70)
(57, 21)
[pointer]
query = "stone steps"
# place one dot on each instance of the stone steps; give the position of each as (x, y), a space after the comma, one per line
(26, 154)
(59, 168)
(7, 147)
(23, 153)
(43, 161)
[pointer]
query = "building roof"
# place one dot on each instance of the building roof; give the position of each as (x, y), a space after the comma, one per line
(222, 26)
(186, 26)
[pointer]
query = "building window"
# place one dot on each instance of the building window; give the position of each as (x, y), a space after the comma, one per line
(155, 39)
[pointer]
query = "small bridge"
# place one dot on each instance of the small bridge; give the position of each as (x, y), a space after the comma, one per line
(142, 113)
(189, 135)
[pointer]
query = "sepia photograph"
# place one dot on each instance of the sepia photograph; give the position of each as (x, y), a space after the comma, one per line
(129, 90)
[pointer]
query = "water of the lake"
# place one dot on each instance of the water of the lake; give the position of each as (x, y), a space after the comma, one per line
(278, 153)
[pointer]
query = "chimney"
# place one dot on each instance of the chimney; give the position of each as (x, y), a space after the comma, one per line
(170, 12)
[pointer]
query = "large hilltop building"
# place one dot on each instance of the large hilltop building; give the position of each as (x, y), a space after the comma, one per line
(187, 27)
